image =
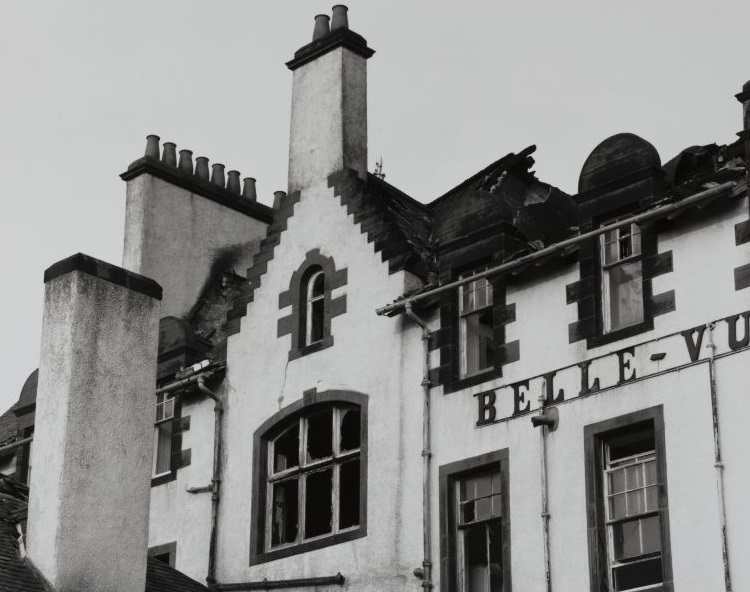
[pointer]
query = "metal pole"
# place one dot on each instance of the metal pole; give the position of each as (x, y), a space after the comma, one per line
(718, 463)
(545, 502)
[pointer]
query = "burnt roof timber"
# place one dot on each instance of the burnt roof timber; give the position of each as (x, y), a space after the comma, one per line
(657, 212)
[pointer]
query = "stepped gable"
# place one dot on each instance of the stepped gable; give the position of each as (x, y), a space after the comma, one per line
(398, 226)
(17, 575)
(281, 215)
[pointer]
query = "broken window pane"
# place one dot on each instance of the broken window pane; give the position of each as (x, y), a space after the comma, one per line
(350, 429)
(640, 573)
(483, 557)
(319, 503)
(349, 494)
(286, 449)
(284, 513)
(320, 435)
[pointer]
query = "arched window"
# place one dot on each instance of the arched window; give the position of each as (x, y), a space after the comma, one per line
(314, 297)
(311, 475)
(314, 314)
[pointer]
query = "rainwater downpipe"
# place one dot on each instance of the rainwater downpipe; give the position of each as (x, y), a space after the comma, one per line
(215, 479)
(546, 420)
(426, 573)
(718, 462)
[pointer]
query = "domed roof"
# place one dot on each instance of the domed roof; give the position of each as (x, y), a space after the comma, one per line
(28, 391)
(616, 157)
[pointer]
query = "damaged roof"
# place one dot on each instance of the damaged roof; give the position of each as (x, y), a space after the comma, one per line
(16, 574)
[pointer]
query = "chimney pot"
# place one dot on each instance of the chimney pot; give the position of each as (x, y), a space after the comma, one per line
(217, 174)
(152, 146)
(233, 182)
(277, 197)
(169, 154)
(248, 189)
(340, 19)
(321, 26)
(186, 161)
(201, 167)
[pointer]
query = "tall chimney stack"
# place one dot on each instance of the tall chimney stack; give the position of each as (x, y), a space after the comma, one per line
(89, 500)
(329, 103)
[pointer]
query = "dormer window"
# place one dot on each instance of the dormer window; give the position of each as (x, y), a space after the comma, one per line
(475, 326)
(622, 278)
(315, 307)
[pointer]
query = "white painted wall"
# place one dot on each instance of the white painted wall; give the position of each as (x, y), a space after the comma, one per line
(175, 236)
(179, 516)
(329, 118)
(370, 355)
(91, 459)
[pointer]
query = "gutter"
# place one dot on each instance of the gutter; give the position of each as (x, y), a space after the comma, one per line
(559, 248)
(15, 444)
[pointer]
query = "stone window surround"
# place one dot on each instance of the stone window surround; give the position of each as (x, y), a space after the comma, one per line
(296, 297)
(449, 474)
(594, 436)
(261, 439)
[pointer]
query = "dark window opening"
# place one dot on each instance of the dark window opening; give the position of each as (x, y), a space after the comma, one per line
(284, 524)
(349, 494)
(320, 436)
(318, 500)
(314, 477)
(350, 428)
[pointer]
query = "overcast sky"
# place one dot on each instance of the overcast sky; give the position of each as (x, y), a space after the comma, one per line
(453, 86)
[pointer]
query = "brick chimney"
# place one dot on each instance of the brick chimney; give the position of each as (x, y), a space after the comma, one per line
(90, 487)
(329, 103)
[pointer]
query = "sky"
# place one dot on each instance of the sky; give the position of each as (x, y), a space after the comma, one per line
(453, 86)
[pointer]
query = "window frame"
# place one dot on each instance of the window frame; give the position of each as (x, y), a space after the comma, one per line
(463, 316)
(450, 475)
(167, 397)
(300, 411)
(596, 437)
(295, 323)
(606, 269)
(307, 311)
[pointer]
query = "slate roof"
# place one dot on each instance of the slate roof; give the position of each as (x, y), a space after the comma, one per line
(16, 575)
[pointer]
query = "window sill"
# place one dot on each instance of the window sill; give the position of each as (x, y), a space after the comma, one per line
(163, 478)
(473, 380)
(310, 545)
(324, 343)
(620, 334)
